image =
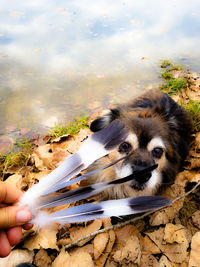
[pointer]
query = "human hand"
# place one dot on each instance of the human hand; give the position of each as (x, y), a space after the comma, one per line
(12, 218)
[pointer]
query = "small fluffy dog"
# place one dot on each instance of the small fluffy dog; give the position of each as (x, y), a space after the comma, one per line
(160, 133)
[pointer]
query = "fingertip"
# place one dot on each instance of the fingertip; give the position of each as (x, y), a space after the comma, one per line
(27, 226)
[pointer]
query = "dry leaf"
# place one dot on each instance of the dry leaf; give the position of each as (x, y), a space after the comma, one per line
(62, 259)
(175, 234)
(196, 219)
(195, 251)
(16, 180)
(46, 238)
(148, 247)
(102, 259)
(148, 260)
(42, 259)
(165, 215)
(17, 256)
(129, 253)
(100, 241)
(87, 248)
(73, 146)
(80, 231)
(164, 262)
(175, 252)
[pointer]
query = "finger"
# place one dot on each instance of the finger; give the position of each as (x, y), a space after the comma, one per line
(14, 235)
(27, 226)
(9, 193)
(13, 216)
(5, 247)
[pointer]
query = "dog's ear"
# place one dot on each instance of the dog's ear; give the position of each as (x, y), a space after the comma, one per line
(104, 120)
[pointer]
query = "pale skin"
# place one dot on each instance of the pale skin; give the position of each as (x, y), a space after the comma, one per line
(12, 218)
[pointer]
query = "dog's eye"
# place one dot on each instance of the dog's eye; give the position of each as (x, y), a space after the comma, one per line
(125, 147)
(157, 152)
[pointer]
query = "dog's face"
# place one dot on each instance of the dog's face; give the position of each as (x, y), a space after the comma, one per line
(153, 139)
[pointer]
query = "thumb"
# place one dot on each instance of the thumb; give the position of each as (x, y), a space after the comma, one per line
(13, 215)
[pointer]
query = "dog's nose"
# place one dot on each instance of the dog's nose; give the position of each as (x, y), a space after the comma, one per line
(144, 178)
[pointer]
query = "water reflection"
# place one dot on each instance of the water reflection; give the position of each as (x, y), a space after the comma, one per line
(59, 59)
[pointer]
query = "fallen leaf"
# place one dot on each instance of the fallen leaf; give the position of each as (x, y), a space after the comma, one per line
(80, 231)
(42, 259)
(62, 259)
(129, 253)
(148, 247)
(164, 262)
(148, 260)
(195, 249)
(16, 180)
(175, 234)
(100, 262)
(196, 219)
(46, 238)
(16, 257)
(175, 252)
(100, 241)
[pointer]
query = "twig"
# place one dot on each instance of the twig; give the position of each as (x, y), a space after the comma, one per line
(119, 225)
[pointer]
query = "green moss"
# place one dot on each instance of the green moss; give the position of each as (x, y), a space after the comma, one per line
(165, 63)
(19, 159)
(72, 128)
(166, 75)
(193, 107)
(172, 86)
(177, 67)
(23, 144)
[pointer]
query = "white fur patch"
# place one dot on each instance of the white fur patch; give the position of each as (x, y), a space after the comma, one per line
(154, 180)
(124, 171)
(155, 142)
(133, 140)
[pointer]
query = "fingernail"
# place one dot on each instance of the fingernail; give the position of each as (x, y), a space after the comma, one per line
(23, 216)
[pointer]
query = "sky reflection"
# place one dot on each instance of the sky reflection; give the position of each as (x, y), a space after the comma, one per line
(57, 57)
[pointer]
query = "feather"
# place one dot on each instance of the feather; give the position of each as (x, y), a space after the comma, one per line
(96, 146)
(66, 183)
(88, 191)
(103, 209)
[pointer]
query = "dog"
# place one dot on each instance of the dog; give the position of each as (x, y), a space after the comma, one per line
(159, 133)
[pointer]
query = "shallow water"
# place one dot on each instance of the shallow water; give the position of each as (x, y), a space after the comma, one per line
(61, 59)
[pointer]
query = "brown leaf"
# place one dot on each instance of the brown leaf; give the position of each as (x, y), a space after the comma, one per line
(42, 259)
(196, 219)
(148, 247)
(165, 215)
(148, 260)
(87, 248)
(46, 238)
(100, 241)
(17, 256)
(195, 251)
(102, 259)
(164, 262)
(62, 259)
(80, 231)
(129, 253)
(16, 180)
(175, 252)
(175, 234)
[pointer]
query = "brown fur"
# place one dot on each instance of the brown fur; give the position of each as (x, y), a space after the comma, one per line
(151, 118)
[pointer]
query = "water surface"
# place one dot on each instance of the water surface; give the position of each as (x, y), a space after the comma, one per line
(61, 59)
